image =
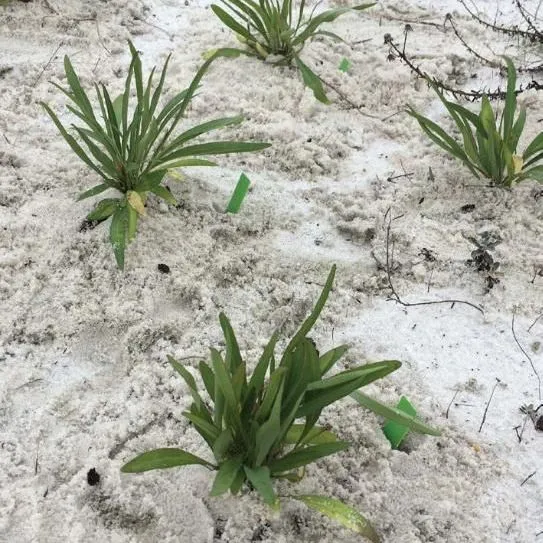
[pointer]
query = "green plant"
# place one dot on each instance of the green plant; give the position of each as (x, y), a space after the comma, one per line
(277, 28)
(134, 146)
(488, 149)
(250, 427)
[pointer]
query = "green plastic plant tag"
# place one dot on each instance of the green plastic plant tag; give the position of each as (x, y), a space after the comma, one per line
(395, 432)
(239, 194)
(344, 65)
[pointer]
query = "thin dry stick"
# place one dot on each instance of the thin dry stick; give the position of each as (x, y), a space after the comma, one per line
(349, 101)
(524, 14)
(513, 32)
(533, 323)
(528, 478)
(394, 295)
(450, 404)
(491, 63)
(488, 403)
(468, 95)
(527, 356)
(48, 64)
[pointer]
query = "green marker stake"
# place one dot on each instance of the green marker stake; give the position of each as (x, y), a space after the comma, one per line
(239, 194)
(344, 65)
(395, 432)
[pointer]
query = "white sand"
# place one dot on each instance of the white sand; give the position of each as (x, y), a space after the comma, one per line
(84, 381)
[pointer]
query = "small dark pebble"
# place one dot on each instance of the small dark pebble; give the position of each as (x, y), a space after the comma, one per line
(467, 208)
(163, 268)
(93, 477)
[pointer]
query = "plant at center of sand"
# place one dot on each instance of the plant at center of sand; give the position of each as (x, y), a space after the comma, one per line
(250, 423)
(487, 148)
(278, 28)
(133, 146)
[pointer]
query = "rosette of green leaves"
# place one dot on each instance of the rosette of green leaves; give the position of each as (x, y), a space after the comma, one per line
(489, 149)
(264, 426)
(133, 146)
(279, 28)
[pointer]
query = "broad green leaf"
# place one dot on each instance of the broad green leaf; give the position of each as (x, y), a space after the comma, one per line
(103, 209)
(313, 81)
(271, 391)
(307, 455)
(535, 146)
(535, 173)
(340, 512)
(163, 458)
(328, 359)
(261, 480)
(222, 444)
(204, 427)
(316, 436)
(164, 193)
(226, 475)
(394, 414)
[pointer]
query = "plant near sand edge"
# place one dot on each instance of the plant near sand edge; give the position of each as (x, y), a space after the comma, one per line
(249, 422)
(133, 146)
(277, 28)
(486, 148)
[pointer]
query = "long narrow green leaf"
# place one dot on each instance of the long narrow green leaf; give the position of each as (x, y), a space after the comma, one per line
(307, 455)
(162, 459)
(316, 436)
(226, 475)
(189, 380)
(118, 233)
(312, 319)
(210, 148)
(329, 359)
(230, 22)
(233, 356)
(94, 191)
(394, 414)
(510, 102)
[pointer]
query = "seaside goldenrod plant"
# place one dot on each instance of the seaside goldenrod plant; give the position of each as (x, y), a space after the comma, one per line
(263, 426)
(278, 28)
(131, 146)
(489, 149)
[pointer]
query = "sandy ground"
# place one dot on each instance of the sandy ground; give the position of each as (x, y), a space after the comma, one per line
(84, 381)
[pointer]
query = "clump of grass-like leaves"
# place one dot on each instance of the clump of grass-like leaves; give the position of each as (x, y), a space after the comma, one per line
(133, 146)
(487, 148)
(278, 28)
(249, 421)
